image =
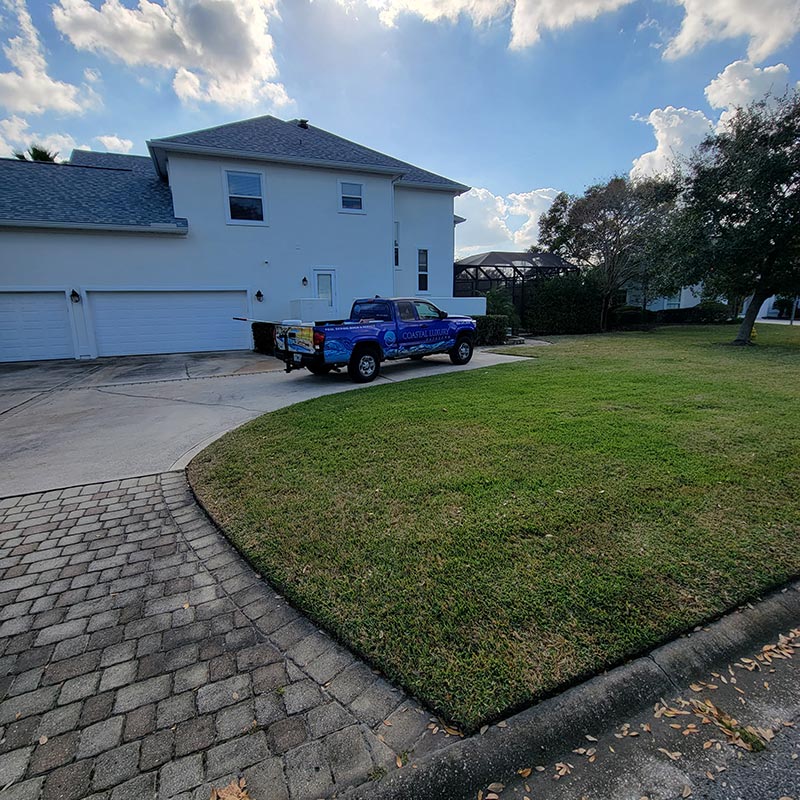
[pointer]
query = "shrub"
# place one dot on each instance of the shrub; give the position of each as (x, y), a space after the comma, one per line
(628, 318)
(264, 338)
(491, 329)
(564, 304)
(704, 313)
(499, 302)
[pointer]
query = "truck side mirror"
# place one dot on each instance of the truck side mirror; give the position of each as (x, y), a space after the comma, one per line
(442, 315)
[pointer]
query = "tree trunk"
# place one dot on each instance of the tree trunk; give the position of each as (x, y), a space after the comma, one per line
(746, 328)
(604, 309)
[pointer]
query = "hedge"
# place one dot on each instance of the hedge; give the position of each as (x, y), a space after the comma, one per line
(491, 329)
(567, 304)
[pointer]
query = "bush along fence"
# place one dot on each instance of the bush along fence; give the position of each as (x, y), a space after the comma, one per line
(491, 329)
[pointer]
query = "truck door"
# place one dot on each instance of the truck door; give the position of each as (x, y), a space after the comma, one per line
(428, 333)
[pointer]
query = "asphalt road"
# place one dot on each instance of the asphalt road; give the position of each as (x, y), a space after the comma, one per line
(632, 763)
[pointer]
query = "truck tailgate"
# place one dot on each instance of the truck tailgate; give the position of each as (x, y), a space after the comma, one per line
(297, 339)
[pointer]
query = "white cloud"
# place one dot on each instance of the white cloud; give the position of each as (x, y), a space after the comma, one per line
(768, 24)
(678, 131)
(219, 50)
(114, 143)
(91, 75)
(497, 222)
(740, 83)
(15, 135)
(27, 87)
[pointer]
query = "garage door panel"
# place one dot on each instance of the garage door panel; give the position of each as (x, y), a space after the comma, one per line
(35, 326)
(136, 323)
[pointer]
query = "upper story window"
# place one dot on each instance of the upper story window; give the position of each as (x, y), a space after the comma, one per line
(422, 270)
(245, 197)
(351, 197)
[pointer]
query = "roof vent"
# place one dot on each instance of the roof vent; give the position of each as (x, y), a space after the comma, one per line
(303, 123)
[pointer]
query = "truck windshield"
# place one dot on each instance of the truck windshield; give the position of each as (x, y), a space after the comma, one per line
(371, 310)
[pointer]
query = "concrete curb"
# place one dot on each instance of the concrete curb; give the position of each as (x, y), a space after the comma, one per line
(538, 733)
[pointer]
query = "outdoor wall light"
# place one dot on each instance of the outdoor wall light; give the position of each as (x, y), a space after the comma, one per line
(259, 295)
(74, 296)
(304, 281)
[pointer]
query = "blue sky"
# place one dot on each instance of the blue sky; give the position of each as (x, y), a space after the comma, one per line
(518, 98)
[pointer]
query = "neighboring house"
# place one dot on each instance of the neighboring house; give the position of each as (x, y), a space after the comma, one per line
(687, 297)
(112, 254)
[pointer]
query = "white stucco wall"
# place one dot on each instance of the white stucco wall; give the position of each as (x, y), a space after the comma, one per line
(304, 231)
(425, 220)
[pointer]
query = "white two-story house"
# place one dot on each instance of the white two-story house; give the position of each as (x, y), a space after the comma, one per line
(111, 254)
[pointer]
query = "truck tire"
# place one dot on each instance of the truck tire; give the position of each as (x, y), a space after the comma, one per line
(319, 369)
(364, 365)
(462, 352)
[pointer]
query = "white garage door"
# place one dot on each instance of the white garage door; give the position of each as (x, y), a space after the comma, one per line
(133, 323)
(34, 326)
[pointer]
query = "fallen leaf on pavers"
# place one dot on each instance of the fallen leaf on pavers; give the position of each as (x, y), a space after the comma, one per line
(674, 756)
(484, 728)
(591, 738)
(42, 740)
(399, 761)
(480, 794)
(708, 744)
(492, 796)
(524, 772)
(539, 769)
(502, 724)
(563, 768)
(710, 776)
(687, 791)
(496, 787)
(235, 790)
(387, 723)
(645, 726)
(695, 688)
(452, 731)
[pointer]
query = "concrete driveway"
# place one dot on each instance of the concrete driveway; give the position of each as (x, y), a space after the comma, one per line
(64, 423)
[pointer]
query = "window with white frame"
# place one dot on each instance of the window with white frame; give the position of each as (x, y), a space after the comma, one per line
(245, 197)
(351, 196)
(674, 301)
(422, 270)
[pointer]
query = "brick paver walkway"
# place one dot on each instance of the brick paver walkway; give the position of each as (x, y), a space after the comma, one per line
(140, 656)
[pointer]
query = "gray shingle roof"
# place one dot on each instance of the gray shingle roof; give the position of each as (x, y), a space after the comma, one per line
(75, 193)
(270, 137)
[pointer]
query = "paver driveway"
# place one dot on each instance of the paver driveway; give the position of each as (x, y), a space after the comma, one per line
(142, 657)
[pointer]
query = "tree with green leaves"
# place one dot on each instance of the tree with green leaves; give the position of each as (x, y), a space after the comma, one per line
(736, 227)
(609, 230)
(36, 153)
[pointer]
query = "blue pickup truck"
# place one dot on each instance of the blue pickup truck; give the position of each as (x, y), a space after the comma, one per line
(379, 329)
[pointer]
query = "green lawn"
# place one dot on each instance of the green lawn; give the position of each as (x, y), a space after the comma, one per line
(486, 537)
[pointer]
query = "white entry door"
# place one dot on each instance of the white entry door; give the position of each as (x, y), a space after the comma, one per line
(137, 323)
(35, 326)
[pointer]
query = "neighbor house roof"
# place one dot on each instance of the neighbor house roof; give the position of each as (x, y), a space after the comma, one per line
(104, 191)
(271, 139)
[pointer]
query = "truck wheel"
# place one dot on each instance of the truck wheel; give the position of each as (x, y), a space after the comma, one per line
(364, 366)
(462, 352)
(318, 369)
